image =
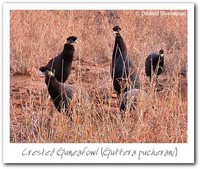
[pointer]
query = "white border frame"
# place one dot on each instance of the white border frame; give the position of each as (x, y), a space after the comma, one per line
(12, 151)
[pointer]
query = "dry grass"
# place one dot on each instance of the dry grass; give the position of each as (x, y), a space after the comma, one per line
(37, 36)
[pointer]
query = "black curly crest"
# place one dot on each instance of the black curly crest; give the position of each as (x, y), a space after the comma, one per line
(116, 29)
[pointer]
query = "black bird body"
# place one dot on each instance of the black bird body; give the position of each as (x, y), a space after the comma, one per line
(61, 94)
(61, 64)
(154, 64)
(65, 97)
(123, 71)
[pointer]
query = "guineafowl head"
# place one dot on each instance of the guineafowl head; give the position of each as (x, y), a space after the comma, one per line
(72, 39)
(116, 29)
(161, 52)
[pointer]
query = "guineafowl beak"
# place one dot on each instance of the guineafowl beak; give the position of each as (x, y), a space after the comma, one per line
(162, 55)
(115, 32)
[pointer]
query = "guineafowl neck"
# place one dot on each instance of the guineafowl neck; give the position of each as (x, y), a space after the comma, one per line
(120, 47)
(121, 43)
(68, 48)
(161, 59)
(68, 53)
(53, 86)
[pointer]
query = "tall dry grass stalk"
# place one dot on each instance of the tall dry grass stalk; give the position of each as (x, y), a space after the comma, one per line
(37, 36)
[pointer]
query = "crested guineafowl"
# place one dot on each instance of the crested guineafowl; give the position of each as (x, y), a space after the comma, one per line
(154, 64)
(61, 65)
(62, 94)
(123, 71)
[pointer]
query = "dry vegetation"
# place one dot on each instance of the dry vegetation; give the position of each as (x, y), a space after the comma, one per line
(37, 36)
